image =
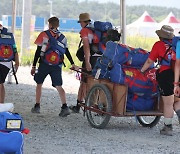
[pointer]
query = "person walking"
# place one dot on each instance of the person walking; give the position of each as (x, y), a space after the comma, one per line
(88, 38)
(8, 54)
(51, 47)
(162, 52)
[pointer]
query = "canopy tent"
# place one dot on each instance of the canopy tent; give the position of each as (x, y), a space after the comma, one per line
(171, 21)
(143, 26)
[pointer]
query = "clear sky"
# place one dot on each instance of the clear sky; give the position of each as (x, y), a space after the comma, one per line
(166, 3)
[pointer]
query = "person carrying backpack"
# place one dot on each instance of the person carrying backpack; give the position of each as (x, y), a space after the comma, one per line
(8, 53)
(162, 51)
(94, 37)
(89, 60)
(51, 47)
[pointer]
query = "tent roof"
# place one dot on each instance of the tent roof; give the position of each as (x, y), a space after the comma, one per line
(145, 18)
(170, 19)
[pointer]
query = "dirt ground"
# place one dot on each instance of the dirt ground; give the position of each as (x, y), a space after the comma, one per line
(51, 134)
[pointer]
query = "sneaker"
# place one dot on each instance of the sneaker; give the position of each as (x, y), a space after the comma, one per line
(35, 109)
(75, 109)
(64, 112)
(167, 130)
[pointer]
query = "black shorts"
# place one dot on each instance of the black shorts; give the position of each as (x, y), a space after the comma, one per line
(3, 73)
(55, 73)
(93, 60)
(165, 81)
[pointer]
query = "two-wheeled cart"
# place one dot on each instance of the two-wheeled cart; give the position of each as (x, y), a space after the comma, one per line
(105, 99)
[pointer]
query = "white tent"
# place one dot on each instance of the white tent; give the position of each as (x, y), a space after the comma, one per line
(171, 21)
(144, 26)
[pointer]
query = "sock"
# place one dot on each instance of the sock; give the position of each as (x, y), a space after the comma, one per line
(178, 113)
(64, 106)
(37, 105)
(168, 121)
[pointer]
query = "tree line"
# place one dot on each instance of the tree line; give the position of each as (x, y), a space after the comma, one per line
(98, 11)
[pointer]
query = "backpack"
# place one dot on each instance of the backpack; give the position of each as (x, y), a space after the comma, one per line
(99, 30)
(11, 122)
(56, 50)
(11, 143)
(141, 84)
(169, 57)
(174, 42)
(6, 46)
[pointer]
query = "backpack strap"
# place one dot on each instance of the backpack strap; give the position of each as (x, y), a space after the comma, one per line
(163, 58)
(3, 30)
(49, 34)
(58, 40)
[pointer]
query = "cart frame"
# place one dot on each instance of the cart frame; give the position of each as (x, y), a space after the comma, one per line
(117, 95)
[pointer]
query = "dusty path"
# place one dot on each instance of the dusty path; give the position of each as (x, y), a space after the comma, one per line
(51, 134)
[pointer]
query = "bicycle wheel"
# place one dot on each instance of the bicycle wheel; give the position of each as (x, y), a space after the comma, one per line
(148, 121)
(99, 98)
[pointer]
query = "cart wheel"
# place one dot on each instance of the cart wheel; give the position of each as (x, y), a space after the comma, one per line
(99, 97)
(148, 121)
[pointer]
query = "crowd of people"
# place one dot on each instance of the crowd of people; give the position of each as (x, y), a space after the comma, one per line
(52, 45)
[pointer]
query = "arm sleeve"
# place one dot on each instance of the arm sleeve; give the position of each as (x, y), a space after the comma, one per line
(68, 55)
(178, 50)
(37, 55)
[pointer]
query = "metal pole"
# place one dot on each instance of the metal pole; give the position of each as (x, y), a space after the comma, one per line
(26, 23)
(13, 15)
(50, 2)
(123, 20)
(13, 26)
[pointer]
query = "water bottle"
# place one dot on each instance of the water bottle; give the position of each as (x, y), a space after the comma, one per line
(45, 42)
(98, 73)
(43, 48)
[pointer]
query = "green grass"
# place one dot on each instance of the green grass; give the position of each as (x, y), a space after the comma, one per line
(73, 42)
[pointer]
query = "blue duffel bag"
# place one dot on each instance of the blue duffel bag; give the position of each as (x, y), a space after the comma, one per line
(117, 75)
(11, 122)
(139, 103)
(102, 67)
(11, 142)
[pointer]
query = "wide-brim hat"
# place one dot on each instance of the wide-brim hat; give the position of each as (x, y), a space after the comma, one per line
(166, 32)
(84, 17)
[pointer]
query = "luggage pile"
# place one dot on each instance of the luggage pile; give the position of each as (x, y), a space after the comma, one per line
(11, 130)
(121, 64)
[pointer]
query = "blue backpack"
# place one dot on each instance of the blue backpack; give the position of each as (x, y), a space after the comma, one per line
(11, 143)
(11, 122)
(55, 53)
(100, 30)
(103, 67)
(174, 42)
(6, 46)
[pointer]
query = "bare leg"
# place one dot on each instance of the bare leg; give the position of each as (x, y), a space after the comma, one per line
(168, 106)
(168, 115)
(82, 91)
(177, 104)
(62, 94)
(38, 93)
(2, 93)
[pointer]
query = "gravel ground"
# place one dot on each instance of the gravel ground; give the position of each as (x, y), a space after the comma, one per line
(51, 134)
